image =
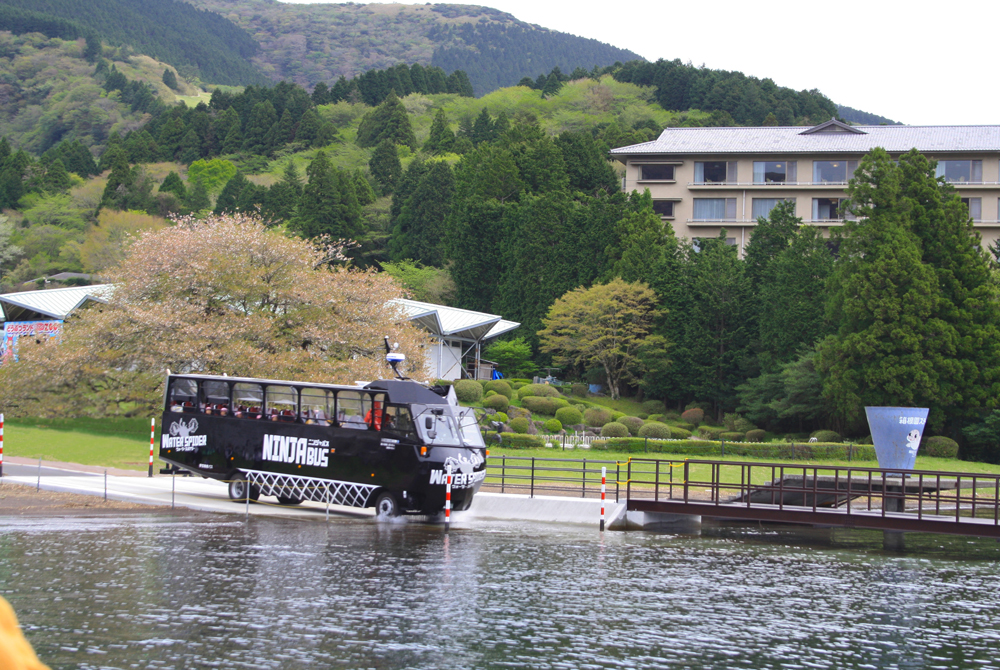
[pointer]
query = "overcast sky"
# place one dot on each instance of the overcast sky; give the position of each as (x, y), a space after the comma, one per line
(918, 63)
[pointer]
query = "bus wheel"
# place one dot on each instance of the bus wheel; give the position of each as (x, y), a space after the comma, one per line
(386, 505)
(286, 500)
(238, 487)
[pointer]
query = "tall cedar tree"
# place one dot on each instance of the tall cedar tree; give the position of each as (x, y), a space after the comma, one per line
(329, 205)
(441, 139)
(769, 237)
(388, 121)
(385, 166)
(891, 347)
(419, 233)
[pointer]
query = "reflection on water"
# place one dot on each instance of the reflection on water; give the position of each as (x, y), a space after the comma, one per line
(151, 592)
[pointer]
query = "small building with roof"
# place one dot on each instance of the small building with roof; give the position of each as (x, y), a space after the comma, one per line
(41, 313)
(704, 180)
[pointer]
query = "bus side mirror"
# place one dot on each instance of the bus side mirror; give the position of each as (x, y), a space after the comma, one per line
(428, 422)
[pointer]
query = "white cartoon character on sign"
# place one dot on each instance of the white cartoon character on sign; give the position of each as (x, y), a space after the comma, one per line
(913, 441)
(181, 429)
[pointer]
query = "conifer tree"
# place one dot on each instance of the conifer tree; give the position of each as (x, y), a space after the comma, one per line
(170, 79)
(482, 128)
(197, 198)
(172, 184)
(255, 140)
(366, 195)
(226, 203)
(57, 179)
(319, 208)
(170, 138)
(388, 121)
(190, 149)
(233, 142)
(419, 231)
(385, 166)
(441, 138)
(321, 94)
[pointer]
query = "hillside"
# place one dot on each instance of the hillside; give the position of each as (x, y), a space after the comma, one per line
(198, 43)
(852, 115)
(309, 43)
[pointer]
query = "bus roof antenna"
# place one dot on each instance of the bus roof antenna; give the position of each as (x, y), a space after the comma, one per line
(394, 358)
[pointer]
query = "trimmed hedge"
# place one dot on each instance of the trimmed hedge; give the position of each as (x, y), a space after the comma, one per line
(679, 433)
(514, 411)
(597, 416)
(569, 416)
(710, 433)
(756, 435)
(579, 390)
(695, 415)
(501, 417)
(553, 425)
(497, 402)
(519, 425)
(517, 441)
(539, 405)
(614, 429)
(941, 447)
(501, 387)
(826, 436)
(633, 423)
(655, 430)
(652, 406)
(733, 436)
(444, 382)
(468, 391)
(543, 390)
(705, 449)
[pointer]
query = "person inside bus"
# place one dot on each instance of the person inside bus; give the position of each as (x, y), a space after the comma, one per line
(374, 416)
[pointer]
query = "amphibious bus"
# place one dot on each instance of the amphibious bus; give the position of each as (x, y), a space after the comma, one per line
(386, 444)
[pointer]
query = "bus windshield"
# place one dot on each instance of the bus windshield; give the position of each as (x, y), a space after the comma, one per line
(438, 426)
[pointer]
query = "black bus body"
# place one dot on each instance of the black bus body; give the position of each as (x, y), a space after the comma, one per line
(387, 444)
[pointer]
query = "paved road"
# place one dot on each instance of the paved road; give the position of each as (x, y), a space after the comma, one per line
(16, 470)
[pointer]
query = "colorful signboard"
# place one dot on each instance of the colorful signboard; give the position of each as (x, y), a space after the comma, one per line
(13, 330)
(896, 432)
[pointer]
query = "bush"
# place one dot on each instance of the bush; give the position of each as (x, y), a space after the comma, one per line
(468, 391)
(497, 402)
(579, 390)
(660, 431)
(694, 416)
(599, 444)
(501, 417)
(614, 429)
(616, 415)
(826, 436)
(543, 390)
(519, 441)
(483, 383)
(596, 416)
(671, 416)
(633, 423)
(519, 425)
(652, 406)
(444, 382)
(516, 385)
(501, 387)
(755, 435)
(655, 417)
(941, 447)
(515, 412)
(679, 433)
(562, 402)
(553, 425)
(709, 433)
(569, 416)
(489, 394)
(732, 436)
(539, 405)
(685, 426)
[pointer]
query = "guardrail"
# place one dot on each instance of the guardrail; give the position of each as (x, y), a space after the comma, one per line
(576, 477)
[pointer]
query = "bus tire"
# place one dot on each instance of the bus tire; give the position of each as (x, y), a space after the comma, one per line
(386, 505)
(238, 487)
(288, 500)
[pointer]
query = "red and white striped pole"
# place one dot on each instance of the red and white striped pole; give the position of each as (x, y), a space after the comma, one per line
(447, 500)
(152, 432)
(1, 445)
(604, 483)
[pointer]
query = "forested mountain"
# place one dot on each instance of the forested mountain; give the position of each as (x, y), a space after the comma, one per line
(198, 43)
(309, 43)
(852, 115)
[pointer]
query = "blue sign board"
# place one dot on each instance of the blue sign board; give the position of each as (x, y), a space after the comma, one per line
(896, 432)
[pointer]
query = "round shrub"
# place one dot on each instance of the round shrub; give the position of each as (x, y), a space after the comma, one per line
(562, 402)
(497, 402)
(655, 417)
(656, 430)
(444, 382)
(483, 383)
(826, 436)
(679, 433)
(501, 417)
(614, 429)
(694, 416)
(516, 384)
(617, 415)
(652, 407)
(543, 390)
(756, 435)
(569, 416)
(672, 416)
(940, 447)
(489, 393)
(596, 416)
(514, 411)
(539, 405)
(501, 387)
(520, 425)
(553, 425)
(599, 444)
(633, 423)
(732, 436)
(468, 390)
(681, 424)
(579, 390)
(709, 433)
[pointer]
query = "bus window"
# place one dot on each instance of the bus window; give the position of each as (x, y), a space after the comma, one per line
(248, 400)
(317, 406)
(215, 397)
(399, 420)
(183, 396)
(351, 409)
(374, 406)
(281, 403)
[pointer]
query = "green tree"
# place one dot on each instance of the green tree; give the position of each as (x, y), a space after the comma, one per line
(419, 232)
(513, 357)
(170, 79)
(227, 202)
(172, 184)
(57, 178)
(441, 139)
(197, 198)
(325, 208)
(388, 121)
(262, 117)
(601, 326)
(482, 128)
(769, 237)
(385, 166)
(890, 347)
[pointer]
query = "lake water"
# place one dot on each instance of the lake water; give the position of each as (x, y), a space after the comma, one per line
(214, 592)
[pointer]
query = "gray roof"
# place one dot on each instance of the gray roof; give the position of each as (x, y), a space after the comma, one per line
(792, 140)
(464, 324)
(54, 303)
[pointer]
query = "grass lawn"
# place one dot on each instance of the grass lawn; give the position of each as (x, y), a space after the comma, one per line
(124, 448)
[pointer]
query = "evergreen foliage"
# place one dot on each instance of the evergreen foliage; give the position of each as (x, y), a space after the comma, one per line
(389, 121)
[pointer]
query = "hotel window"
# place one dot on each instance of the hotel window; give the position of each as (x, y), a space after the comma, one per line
(775, 172)
(761, 207)
(698, 242)
(833, 172)
(829, 209)
(714, 209)
(664, 208)
(975, 206)
(714, 172)
(656, 173)
(960, 171)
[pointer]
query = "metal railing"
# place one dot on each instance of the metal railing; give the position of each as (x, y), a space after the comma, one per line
(775, 488)
(576, 477)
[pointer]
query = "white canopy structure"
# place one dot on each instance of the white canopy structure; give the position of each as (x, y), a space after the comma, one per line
(459, 333)
(54, 303)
